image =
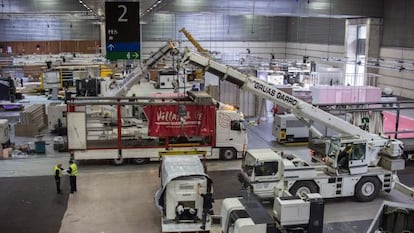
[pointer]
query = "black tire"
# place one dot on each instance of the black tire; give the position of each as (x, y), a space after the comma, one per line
(367, 189)
(228, 154)
(301, 187)
(141, 161)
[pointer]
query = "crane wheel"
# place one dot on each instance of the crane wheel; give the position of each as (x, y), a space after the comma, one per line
(302, 187)
(367, 188)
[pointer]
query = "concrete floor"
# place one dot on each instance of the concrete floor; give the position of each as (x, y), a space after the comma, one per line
(112, 199)
(120, 198)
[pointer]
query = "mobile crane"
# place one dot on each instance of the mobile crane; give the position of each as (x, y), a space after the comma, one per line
(356, 159)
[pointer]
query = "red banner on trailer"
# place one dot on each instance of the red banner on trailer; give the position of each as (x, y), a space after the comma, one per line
(181, 120)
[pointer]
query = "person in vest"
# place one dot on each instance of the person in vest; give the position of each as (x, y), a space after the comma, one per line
(73, 172)
(58, 173)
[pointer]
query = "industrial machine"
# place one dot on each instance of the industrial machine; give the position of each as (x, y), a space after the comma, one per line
(408, 148)
(56, 117)
(179, 199)
(88, 87)
(170, 80)
(176, 123)
(290, 215)
(358, 162)
(4, 133)
(288, 128)
(7, 89)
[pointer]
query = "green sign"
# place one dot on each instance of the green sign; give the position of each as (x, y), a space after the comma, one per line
(122, 55)
(365, 120)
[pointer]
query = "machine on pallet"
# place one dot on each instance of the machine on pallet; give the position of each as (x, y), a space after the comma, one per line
(179, 199)
(288, 128)
(88, 87)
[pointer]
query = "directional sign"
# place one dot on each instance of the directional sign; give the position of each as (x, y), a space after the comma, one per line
(122, 30)
(123, 55)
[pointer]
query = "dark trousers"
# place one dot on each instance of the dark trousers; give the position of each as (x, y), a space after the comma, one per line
(57, 180)
(72, 180)
(204, 217)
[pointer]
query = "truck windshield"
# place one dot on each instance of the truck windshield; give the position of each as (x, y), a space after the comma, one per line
(266, 169)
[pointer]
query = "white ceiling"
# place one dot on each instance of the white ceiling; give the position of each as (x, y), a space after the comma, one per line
(301, 8)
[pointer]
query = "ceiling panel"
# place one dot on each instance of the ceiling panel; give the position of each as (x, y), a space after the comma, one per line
(318, 8)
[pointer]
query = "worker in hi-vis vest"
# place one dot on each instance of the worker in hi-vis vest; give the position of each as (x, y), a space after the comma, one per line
(58, 174)
(73, 172)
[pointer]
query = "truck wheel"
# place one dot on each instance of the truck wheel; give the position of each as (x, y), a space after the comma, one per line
(118, 161)
(228, 154)
(302, 187)
(140, 161)
(367, 189)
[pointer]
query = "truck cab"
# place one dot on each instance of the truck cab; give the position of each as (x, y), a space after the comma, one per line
(265, 170)
(347, 155)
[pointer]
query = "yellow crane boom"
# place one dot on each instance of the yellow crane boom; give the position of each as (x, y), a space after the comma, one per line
(193, 41)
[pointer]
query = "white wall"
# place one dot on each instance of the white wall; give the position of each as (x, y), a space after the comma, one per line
(402, 82)
(229, 50)
(314, 51)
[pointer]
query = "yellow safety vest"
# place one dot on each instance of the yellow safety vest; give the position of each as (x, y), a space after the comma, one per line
(58, 169)
(74, 169)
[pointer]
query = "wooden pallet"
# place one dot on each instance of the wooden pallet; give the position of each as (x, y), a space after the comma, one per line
(32, 120)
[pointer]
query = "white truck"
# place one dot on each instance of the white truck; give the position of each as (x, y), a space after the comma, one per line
(185, 123)
(358, 162)
(269, 174)
(179, 199)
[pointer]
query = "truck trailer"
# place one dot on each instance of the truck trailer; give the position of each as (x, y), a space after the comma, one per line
(183, 123)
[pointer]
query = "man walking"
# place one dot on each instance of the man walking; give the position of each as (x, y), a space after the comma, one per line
(73, 172)
(58, 173)
(207, 206)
